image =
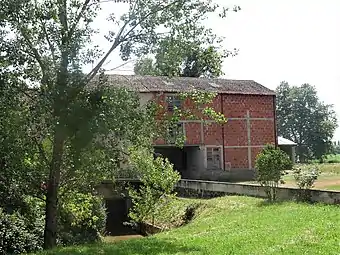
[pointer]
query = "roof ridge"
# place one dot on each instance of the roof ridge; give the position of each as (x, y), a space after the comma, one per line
(150, 83)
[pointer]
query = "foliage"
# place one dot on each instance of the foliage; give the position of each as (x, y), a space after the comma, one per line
(303, 118)
(18, 235)
(46, 45)
(158, 180)
(20, 173)
(305, 177)
(300, 228)
(189, 61)
(81, 219)
(271, 165)
(193, 51)
(145, 66)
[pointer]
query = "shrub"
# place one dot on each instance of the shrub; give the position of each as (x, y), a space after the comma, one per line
(16, 236)
(271, 164)
(158, 182)
(305, 177)
(82, 219)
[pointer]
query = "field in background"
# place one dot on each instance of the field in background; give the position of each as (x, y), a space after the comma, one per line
(333, 159)
(237, 225)
(329, 178)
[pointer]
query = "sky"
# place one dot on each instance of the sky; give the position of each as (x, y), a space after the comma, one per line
(278, 40)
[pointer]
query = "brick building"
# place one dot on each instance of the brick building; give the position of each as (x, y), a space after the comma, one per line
(213, 151)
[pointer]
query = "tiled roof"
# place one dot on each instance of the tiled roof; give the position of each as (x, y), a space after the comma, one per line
(184, 84)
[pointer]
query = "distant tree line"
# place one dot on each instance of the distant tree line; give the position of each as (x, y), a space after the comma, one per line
(305, 119)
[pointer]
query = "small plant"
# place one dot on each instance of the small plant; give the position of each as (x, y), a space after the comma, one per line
(158, 180)
(305, 177)
(271, 165)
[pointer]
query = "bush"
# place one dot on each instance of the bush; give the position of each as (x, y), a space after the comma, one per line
(305, 177)
(82, 219)
(158, 180)
(271, 164)
(17, 236)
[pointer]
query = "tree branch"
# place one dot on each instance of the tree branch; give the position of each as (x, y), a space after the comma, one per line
(95, 70)
(63, 19)
(120, 39)
(121, 65)
(34, 51)
(43, 26)
(80, 14)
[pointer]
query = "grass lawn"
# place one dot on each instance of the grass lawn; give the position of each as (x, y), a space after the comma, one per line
(238, 225)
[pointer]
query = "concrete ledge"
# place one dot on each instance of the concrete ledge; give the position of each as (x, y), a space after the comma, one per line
(213, 188)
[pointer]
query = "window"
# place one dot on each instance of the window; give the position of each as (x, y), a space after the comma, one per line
(173, 101)
(175, 132)
(214, 158)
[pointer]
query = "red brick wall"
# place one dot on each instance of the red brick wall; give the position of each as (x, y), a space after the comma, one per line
(235, 131)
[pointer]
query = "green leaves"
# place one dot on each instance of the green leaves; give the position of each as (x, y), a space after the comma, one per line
(303, 118)
(271, 164)
(70, 131)
(185, 59)
(158, 182)
(306, 175)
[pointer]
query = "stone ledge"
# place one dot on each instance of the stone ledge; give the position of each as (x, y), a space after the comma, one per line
(213, 188)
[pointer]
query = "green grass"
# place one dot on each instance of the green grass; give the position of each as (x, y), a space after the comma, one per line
(331, 158)
(238, 225)
(172, 215)
(333, 187)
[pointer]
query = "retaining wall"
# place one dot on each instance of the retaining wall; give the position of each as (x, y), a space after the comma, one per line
(198, 188)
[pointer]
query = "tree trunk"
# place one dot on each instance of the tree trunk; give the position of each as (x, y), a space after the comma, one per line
(50, 232)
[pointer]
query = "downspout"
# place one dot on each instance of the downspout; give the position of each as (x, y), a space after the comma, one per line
(222, 111)
(275, 126)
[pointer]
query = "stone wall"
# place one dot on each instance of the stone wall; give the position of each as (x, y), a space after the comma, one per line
(222, 175)
(196, 188)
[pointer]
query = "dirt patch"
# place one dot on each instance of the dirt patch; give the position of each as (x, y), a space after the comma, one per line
(113, 239)
(326, 183)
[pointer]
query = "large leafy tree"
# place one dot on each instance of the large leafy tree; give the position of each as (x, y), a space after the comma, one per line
(47, 44)
(303, 118)
(196, 52)
(199, 56)
(20, 173)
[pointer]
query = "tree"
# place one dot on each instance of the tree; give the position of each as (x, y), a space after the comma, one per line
(271, 165)
(47, 43)
(303, 118)
(190, 59)
(158, 181)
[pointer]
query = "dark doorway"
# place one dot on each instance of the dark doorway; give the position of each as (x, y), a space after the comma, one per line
(117, 214)
(186, 160)
(176, 156)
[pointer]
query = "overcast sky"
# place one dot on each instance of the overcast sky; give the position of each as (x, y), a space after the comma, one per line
(295, 41)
